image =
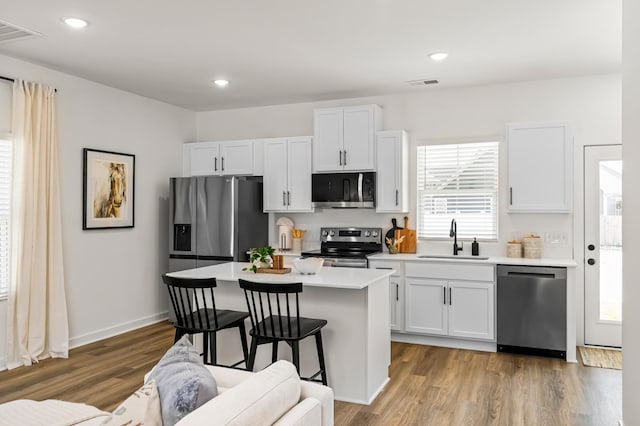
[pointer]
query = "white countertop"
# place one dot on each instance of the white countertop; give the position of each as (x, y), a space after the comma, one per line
(567, 263)
(346, 278)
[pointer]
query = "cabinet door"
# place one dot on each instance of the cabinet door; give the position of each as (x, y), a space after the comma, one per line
(236, 158)
(471, 309)
(275, 175)
(396, 303)
(425, 308)
(299, 174)
(392, 172)
(327, 139)
(540, 167)
(204, 159)
(359, 138)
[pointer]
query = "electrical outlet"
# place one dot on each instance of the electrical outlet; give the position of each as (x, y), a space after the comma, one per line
(556, 238)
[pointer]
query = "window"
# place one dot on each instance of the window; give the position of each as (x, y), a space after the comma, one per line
(458, 181)
(5, 187)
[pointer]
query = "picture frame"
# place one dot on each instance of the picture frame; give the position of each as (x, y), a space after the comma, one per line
(108, 189)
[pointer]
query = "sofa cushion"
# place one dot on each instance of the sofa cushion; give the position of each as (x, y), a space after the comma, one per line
(259, 400)
(183, 382)
(141, 408)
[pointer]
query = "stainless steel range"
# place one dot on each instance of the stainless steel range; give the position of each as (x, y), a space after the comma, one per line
(347, 247)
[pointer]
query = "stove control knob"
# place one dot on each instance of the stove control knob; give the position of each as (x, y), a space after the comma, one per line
(325, 233)
(375, 233)
(332, 233)
(367, 233)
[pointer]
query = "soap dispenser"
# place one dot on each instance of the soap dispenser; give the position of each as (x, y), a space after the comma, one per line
(475, 248)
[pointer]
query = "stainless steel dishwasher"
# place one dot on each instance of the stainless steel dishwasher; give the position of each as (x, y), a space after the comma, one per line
(532, 310)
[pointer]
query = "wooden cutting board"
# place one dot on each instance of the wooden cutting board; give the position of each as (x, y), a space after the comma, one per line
(408, 245)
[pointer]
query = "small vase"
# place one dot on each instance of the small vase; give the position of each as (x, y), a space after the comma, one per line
(393, 250)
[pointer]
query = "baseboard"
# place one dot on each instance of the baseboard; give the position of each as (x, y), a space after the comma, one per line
(446, 342)
(105, 333)
(3, 364)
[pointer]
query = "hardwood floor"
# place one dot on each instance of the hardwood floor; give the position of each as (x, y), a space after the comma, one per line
(429, 385)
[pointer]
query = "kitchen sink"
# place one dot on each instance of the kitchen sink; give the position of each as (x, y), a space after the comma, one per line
(450, 256)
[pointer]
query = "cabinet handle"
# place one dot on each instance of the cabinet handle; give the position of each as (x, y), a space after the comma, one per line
(288, 198)
(444, 295)
(345, 157)
(284, 198)
(215, 164)
(222, 161)
(450, 296)
(510, 195)
(396, 197)
(397, 291)
(340, 152)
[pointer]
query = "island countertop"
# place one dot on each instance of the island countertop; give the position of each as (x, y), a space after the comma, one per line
(345, 278)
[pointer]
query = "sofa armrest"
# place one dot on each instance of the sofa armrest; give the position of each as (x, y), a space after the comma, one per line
(306, 413)
(324, 395)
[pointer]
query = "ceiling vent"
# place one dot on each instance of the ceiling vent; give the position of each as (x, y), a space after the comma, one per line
(10, 32)
(422, 82)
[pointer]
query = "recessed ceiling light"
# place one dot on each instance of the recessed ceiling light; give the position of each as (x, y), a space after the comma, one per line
(75, 23)
(221, 82)
(439, 56)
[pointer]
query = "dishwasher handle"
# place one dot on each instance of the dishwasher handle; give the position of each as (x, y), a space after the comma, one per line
(530, 274)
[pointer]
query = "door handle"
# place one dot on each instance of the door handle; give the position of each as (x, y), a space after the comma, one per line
(397, 291)
(215, 164)
(591, 261)
(510, 196)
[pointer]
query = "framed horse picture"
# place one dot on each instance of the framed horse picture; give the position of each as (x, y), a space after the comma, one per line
(108, 189)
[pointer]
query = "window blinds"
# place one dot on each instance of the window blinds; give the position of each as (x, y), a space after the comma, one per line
(458, 181)
(5, 210)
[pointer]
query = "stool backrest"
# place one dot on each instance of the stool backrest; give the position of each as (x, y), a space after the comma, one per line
(273, 307)
(189, 301)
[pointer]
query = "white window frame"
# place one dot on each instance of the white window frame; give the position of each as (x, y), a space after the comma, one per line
(5, 213)
(451, 165)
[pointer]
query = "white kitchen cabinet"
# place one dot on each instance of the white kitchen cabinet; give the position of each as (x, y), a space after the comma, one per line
(287, 174)
(218, 158)
(392, 158)
(396, 292)
(344, 138)
(540, 162)
(450, 300)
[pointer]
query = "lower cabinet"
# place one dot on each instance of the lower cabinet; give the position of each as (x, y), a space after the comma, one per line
(450, 308)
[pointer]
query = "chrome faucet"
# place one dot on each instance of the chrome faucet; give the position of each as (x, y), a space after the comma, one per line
(453, 233)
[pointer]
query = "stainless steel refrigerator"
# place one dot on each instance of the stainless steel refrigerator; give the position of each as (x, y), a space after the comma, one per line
(214, 219)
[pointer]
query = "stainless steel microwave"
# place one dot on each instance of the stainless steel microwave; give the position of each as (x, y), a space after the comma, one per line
(343, 190)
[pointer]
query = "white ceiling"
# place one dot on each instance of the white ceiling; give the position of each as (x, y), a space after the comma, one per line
(287, 51)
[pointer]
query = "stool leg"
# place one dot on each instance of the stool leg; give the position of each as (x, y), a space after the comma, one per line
(318, 336)
(243, 340)
(178, 335)
(295, 352)
(205, 348)
(274, 351)
(252, 354)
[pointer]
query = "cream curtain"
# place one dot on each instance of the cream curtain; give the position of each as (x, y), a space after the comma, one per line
(37, 309)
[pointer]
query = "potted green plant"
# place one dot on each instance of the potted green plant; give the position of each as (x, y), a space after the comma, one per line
(260, 258)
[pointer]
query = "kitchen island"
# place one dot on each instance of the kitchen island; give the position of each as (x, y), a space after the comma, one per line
(355, 303)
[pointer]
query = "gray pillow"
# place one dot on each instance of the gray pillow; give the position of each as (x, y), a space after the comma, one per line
(183, 382)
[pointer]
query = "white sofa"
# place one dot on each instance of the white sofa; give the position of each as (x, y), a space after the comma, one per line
(275, 395)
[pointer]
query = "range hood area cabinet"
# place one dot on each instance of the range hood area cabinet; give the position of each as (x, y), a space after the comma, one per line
(220, 159)
(344, 138)
(392, 160)
(287, 174)
(540, 162)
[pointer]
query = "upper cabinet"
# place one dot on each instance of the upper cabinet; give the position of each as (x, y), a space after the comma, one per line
(287, 174)
(392, 158)
(344, 138)
(218, 158)
(540, 161)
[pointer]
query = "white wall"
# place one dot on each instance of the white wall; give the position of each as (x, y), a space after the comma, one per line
(112, 276)
(592, 104)
(631, 226)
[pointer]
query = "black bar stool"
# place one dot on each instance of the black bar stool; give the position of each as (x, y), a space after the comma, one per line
(273, 320)
(187, 295)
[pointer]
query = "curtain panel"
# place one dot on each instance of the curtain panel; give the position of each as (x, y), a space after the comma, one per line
(37, 309)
